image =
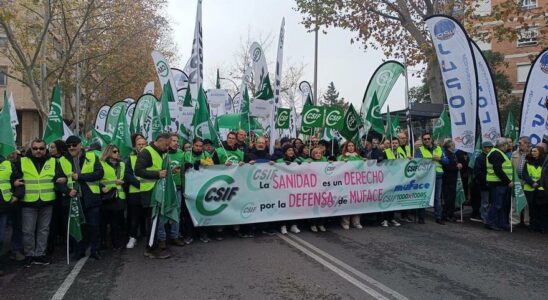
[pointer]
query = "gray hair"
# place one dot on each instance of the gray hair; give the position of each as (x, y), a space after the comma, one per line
(501, 141)
(525, 139)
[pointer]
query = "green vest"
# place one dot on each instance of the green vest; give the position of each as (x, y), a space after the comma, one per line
(349, 158)
(506, 167)
(87, 168)
(437, 152)
(109, 179)
(535, 173)
(133, 161)
(189, 157)
(38, 185)
(157, 159)
(5, 183)
(235, 156)
(177, 159)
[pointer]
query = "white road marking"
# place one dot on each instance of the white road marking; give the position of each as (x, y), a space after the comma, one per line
(359, 274)
(63, 289)
(333, 268)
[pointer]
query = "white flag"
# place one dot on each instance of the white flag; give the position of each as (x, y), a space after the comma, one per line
(277, 87)
(66, 131)
(165, 75)
(195, 65)
(13, 116)
(101, 118)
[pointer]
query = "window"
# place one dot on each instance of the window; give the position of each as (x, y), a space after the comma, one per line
(3, 76)
(528, 4)
(528, 37)
(523, 71)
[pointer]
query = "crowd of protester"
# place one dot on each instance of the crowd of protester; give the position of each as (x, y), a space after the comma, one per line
(115, 193)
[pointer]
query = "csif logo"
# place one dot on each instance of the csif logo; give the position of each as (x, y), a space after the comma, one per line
(444, 29)
(283, 116)
(414, 166)
(333, 117)
(384, 77)
(116, 111)
(311, 116)
(217, 189)
(351, 122)
(257, 53)
(329, 169)
(162, 69)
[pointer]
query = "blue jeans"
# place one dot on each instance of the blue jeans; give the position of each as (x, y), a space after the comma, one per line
(438, 209)
(497, 215)
(484, 204)
(173, 227)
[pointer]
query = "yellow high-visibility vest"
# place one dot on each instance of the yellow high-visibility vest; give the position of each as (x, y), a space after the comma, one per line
(5, 180)
(506, 167)
(110, 177)
(38, 184)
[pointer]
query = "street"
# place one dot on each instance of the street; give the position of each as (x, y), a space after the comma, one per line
(456, 261)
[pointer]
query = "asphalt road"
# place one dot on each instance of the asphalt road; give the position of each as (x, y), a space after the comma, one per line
(456, 261)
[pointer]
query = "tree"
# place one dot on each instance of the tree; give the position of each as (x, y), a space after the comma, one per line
(420, 94)
(398, 28)
(331, 97)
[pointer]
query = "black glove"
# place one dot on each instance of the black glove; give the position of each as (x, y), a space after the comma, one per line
(197, 165)
(187, 166)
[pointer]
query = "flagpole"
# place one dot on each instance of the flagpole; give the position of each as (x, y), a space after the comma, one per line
(68, 236)
(408, 110)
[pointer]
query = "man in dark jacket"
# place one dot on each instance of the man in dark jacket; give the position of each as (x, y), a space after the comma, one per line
(499, 174)
(84, 171)
(40, 173)
(11, 192)
(480, 183)
(259, 153)
(371, 151)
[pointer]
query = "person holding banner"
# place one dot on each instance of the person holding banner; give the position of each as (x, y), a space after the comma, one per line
(135, 214)
(288, 157)
(113, 196)
(499, 174)
(317, 155)
(536, 196)
(392, 152)
(404, 145)
(240, 137)
(430, 151)
(370, 151)
(349, 154)
(149, 167)
(451, 168)
(84, 168)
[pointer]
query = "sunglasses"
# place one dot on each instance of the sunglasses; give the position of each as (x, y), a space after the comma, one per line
(73, 145)
(38, 148)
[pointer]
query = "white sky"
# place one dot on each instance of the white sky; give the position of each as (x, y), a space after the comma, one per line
(228, 22)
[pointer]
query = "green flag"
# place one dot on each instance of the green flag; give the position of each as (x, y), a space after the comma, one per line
(477, 151)
(352, 123)
(184, 135)
(396, 125)
(100, 137)
(373, 118)
(165, 201)
(282, 118)
(156, 124)
(381, 85)
(511, 130)
(312, 116)
(188, 99)
(518, 193)
(265, 93)
(121, 137)
(442, 128)
(54, 127)
(203, 128)
(304, 129)
(76, 219)
(167, 96)
(334, 117)
(388, 131)
(218, 84)
(7, 141)
(460, 197)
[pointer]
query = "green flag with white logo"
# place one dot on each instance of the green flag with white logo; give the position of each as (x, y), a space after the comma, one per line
(188, 99)
(373, 118)
(156, 123)
(304, 129)
(112, 117)
(265, 93)
(460, 197)
(203, 128)
(100, 137)
(282, 118)
(396, 125)
(511, 130)
(121, 137)
(7, 141)
(352, 123)
(334, 117)
(442, 128)
(388, 134)
(519, 195)
(76, 219)
(54, 127)
(167, 96)
(312, 116)
(165, 199)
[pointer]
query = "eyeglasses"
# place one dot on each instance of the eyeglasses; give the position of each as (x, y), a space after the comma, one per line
(73, 145)
(114, 151)
(38, 148)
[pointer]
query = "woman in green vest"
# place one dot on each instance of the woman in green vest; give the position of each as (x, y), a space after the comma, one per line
(113, 197)
(349, 153)
(317, 155)
(288, 157)
(536, 196)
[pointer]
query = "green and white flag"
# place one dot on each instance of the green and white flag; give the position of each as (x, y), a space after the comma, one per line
(156, 125)
(112, 116)
(283, 118)
(521, 200)
(142, 115)
(388, 134)
(334, 117)
(165, 199)
(511, 130)
(121, 137)
(167, 96)
(54, 127)
(312, 116)
(352, 122)
(460, 197)
(305, 129)
(442, 128)
(7, 141)
(100, 136)
(13, 114)
(76, 219)
(477, 151)
(203, 128)
(373, 118)
(396, 125)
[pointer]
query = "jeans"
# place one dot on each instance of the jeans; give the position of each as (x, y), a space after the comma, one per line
(14, 217)
(36, 229)
(438, 209)
(173, 227)
(449, 196)
(497, 215)
(484, 204)
(3, 225)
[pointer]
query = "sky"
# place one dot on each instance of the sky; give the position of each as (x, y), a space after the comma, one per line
(226, 23)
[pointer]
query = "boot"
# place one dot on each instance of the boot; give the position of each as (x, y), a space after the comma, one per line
(162, 245)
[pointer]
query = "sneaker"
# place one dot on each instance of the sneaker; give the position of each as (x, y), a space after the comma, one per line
(28, 261)
(188, 240)
(313, 228)
(322, 228)
(40, 260)
(17, 256)
(204, 238)
(294, 229)
(131, 243)
(408, 220)
(345, 226)
(384, 223)
(358, 226)
(474, 219)
(395, 223)
(283, 230)
(219, 236)
(156, 254)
